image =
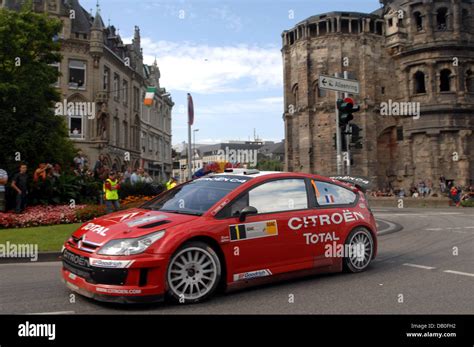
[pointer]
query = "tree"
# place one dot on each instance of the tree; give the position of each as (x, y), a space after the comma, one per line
(29, 130)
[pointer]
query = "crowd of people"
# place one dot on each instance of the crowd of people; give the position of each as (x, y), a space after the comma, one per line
(424, 188)
(110, 177)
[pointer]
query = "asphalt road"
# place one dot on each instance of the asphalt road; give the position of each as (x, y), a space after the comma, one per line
(416, 272)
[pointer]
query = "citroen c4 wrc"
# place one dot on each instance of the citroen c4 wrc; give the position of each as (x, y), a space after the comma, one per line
(223, 231)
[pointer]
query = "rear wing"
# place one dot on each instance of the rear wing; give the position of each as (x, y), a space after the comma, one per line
(361, 183)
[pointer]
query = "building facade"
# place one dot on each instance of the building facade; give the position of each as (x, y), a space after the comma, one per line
(100, 71)
(407, 53)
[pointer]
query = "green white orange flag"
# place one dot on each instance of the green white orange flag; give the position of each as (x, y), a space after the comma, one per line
(150, 94)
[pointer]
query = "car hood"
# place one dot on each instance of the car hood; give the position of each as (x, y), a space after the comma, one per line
(128, 224)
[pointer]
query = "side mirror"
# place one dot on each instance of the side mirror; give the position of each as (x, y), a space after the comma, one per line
(246, 211)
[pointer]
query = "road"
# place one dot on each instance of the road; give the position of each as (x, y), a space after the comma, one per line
(425, 268)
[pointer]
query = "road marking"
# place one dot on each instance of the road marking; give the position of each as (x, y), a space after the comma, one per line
(420, 266)
(468, 227)
(53, 313)
(408, 214)
(459, 273)
(434, 229)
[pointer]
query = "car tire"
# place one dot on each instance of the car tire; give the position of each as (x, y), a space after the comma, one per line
(361, 243)
(194, 273)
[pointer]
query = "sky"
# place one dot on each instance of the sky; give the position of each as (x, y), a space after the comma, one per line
(225, 53)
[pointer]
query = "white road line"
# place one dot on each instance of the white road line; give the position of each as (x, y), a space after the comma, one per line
(58, 312)
(434, 229)
(459, 273)
(420, 266)
(468, 227)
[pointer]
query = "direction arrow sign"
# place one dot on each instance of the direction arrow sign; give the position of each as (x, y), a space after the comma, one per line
(339, 84)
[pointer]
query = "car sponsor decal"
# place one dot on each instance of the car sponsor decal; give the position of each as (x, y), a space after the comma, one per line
(252, 274)
(254, 230)
(96, 228)
(296, 223)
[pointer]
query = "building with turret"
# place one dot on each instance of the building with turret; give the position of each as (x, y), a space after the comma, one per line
(407, 54)
(98, 68)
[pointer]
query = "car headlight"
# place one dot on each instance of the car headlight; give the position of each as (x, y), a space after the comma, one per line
(130, 246)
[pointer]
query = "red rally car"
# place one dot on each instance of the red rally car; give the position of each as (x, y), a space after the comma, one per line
(225, 230)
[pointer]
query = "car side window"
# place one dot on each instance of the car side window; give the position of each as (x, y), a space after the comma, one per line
(331, 194)
(279, 195)
(239, 204)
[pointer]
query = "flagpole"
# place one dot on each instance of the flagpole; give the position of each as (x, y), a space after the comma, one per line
(189, 152)
(190, 123)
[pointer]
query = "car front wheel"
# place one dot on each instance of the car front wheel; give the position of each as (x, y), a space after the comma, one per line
(193, 273)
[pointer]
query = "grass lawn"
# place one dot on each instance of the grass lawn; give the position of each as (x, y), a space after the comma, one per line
(48, 238)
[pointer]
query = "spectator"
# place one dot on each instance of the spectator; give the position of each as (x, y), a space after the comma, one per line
(134, 177)
(3, 182)
(147, 178)
(455, 194)
(56, 171)
(171, 183)
(111, 188)
(20, 185)
(99, 166)
(80, 161)
(127, 175)
(40, 172)
(442, 184)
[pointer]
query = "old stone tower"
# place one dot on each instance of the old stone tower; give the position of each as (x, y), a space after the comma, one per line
(407, 51)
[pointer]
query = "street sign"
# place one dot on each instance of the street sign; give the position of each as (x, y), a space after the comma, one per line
(339, 84)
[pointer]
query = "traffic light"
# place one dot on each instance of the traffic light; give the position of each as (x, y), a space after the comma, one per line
(346, 109)
(356, 138)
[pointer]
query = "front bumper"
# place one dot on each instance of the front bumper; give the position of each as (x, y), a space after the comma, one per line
(142, 281)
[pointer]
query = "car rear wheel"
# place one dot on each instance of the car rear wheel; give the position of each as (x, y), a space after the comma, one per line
(193, 273)
(360, 246)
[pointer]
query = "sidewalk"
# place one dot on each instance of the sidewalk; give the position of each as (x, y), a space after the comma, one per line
(410, 202)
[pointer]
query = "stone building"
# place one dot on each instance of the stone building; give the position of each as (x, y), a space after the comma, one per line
(419, 52)
(99, 70)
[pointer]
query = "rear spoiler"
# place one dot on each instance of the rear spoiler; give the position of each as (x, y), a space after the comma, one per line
(361, 183)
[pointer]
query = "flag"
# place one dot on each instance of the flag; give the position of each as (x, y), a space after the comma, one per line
(329, 199)
(150, 94)
(190, 110)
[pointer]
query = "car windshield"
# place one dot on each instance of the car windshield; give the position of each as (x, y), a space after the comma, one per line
(196, 197)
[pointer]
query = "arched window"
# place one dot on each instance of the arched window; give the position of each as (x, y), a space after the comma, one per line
(419, 82)
(294, 100)
(418, 21)
(442, 19)
(470, 81)
(445, 80)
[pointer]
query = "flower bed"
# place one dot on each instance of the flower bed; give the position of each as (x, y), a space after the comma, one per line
(62, 214)
(40, 215)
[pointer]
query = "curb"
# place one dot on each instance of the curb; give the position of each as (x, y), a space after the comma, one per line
(42, 258)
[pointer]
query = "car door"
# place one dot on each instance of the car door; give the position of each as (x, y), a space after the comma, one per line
(262, 244)
(325, 228)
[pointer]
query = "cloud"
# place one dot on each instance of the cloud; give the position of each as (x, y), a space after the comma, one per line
(200, 68)
(244, 110)
(232, 21)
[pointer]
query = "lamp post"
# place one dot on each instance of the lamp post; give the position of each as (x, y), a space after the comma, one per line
(194, 145)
